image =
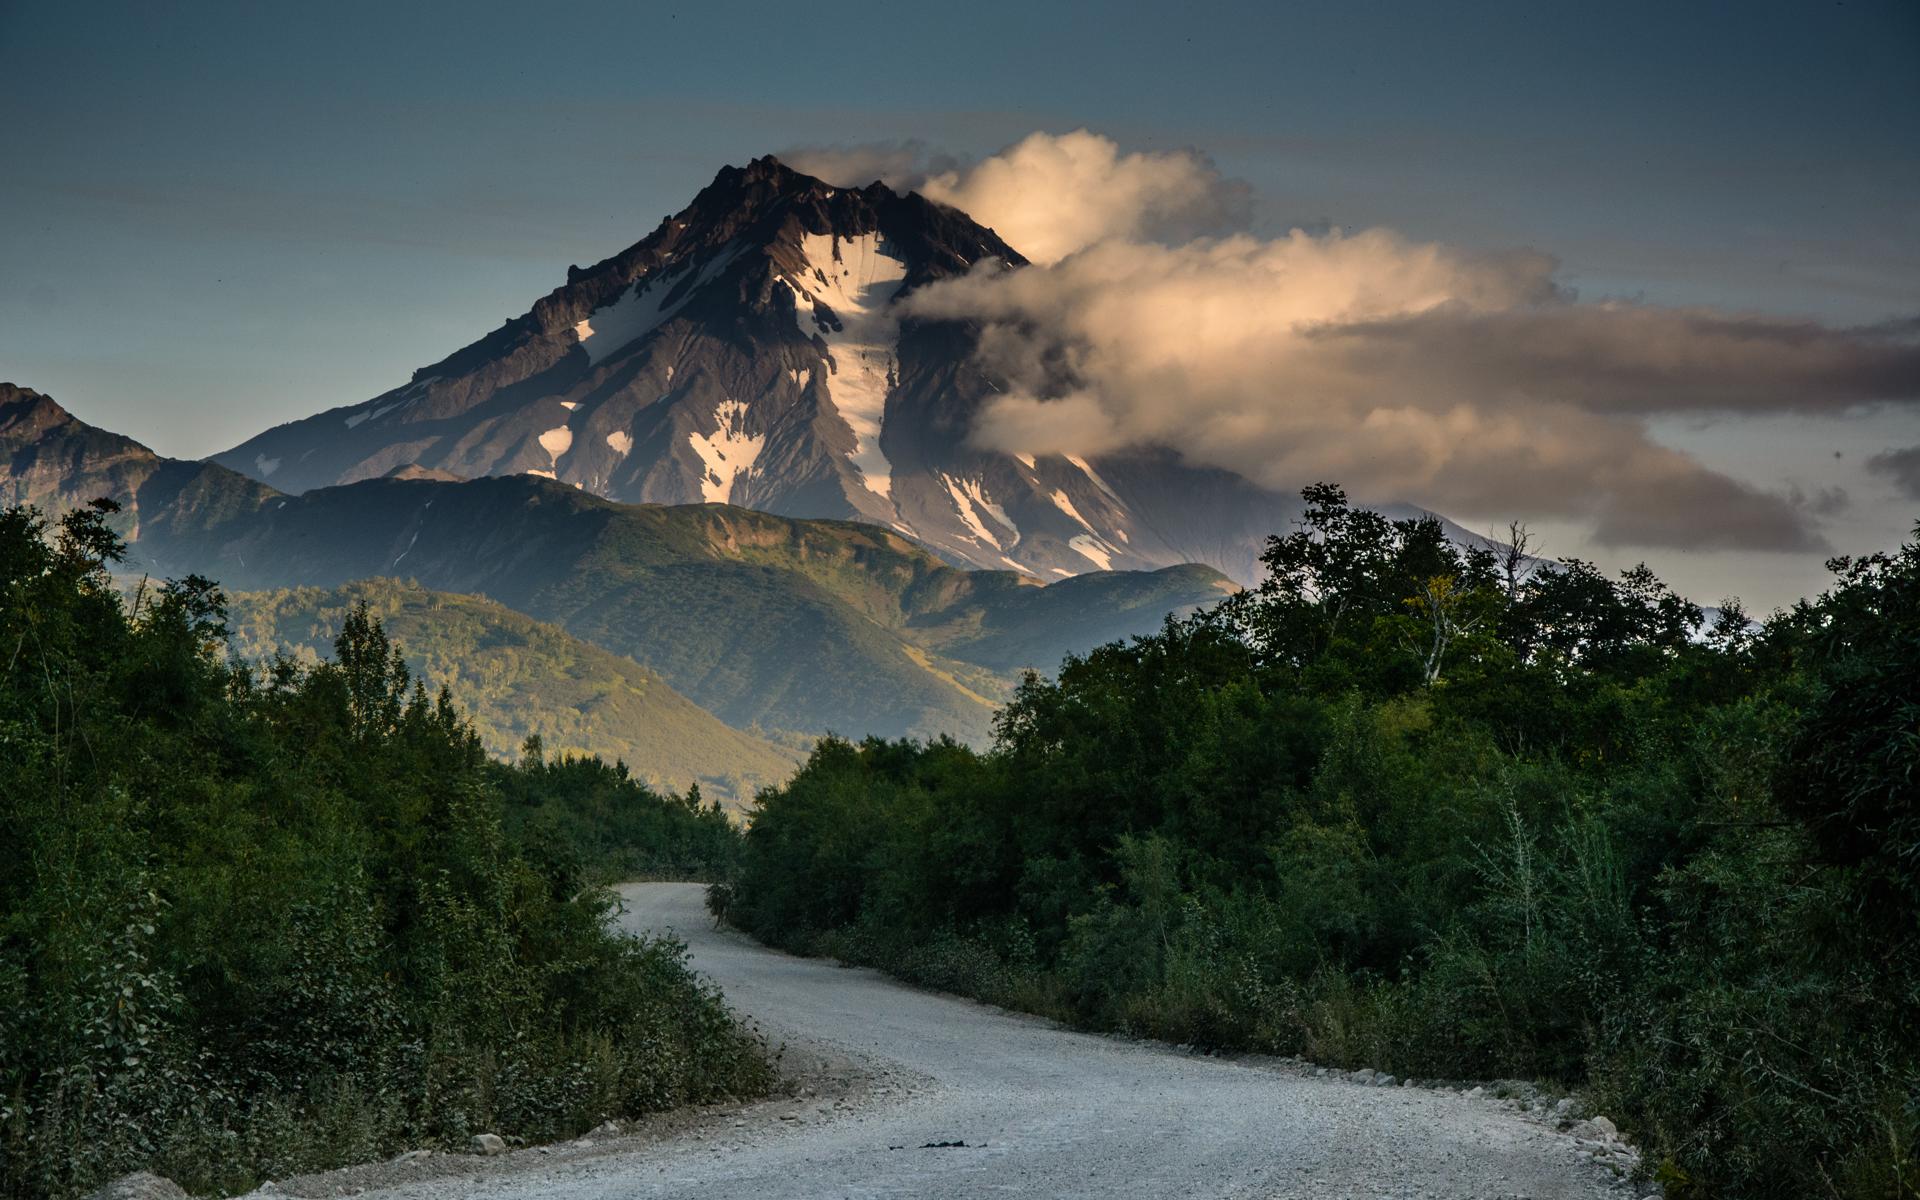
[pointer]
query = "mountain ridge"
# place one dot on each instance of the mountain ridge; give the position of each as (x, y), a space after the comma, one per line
(56, 461)
(785, 624)
(749, 350)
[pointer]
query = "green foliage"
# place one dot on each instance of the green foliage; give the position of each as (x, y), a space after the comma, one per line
(1529, 824)
(258, 920)
(517, 678)
(576, 814)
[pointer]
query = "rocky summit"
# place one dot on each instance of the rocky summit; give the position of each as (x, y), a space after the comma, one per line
(751, 351)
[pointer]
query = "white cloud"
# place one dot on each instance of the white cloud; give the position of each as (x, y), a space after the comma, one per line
(1407, 371)
(1049, 195)
(1473, 384)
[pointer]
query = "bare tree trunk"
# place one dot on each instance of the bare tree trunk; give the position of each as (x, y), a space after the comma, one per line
(1514, 559)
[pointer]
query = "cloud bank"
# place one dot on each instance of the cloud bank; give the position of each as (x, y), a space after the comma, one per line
(1472, 384)
(1049, 195)
(1901, 467)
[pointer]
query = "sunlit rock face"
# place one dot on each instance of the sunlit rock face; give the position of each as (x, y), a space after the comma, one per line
(753, 351)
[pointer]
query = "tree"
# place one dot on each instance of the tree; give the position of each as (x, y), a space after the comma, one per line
(1854, 773)
(1515, 557)
(1443, 608)
(374, 673)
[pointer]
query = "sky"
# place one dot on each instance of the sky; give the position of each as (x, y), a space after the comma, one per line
(217, 217)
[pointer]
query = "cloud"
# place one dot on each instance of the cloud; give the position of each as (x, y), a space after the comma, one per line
(1902, 467)
(1472, 384)
(903, 166)
(1049, 195)
(1822, 502)
(1642, 359)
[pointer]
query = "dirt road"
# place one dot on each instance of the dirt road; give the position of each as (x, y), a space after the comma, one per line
(1041, 1111)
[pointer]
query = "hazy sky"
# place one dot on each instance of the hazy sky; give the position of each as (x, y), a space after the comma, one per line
(217, 217)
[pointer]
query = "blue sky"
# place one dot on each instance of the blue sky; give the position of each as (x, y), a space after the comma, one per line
(217, 217)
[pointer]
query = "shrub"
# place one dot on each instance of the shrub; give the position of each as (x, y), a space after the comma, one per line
(1579, 845)
(261, 920)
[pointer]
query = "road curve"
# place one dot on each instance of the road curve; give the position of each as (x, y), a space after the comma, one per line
(1043, 1111)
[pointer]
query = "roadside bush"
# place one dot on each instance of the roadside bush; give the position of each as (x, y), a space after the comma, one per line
(1410, 807)
(266, 919)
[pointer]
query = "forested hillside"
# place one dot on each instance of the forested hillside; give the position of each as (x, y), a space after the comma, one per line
(259, 918)
(1443, 814)
(765, 621)
(794, 627)
(518, 678)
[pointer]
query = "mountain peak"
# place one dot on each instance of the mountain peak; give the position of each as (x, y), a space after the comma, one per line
(771, 171)
(754, 201)
(771, 168)
(752, 350)
(17, 401)
(27, 415)
(57, 462)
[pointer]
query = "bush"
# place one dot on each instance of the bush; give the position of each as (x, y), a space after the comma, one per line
(1580, 844)
(266, 919)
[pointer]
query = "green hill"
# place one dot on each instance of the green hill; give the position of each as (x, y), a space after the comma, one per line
(766, 621)
(775, 623)
(517, 676)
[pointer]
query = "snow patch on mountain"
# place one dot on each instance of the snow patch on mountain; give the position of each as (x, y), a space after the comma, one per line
(970, 500)
(621, 441)
(1064, 503)
(963, 503)
(1026, 460)
(1093, 550)
(556, 441)
(728, 454)
(646, 306)
(854, 279)
(267, 465)
(978, 493)
(372, 410)
(1086, 469)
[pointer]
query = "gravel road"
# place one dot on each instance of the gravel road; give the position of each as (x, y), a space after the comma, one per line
(1042, 1111)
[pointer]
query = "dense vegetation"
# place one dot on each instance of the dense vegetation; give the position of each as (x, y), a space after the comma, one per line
(1443, 813)
(264, 918)
(781, 627)
(605, 826)
(518, 678)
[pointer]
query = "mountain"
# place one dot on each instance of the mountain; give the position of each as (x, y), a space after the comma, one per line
(516, 676)
(767, 621)
(787, 625)
(747, 352)
(55, 461)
